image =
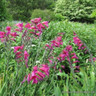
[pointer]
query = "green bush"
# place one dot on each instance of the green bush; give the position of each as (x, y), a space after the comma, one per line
(59, 17)
(76, 10)
(44, 14)
(47, 15)
(4, 11)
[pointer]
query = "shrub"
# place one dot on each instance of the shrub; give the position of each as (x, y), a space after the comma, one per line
(77, 10)
(47, 15)
(44, 14)
(93, 15)
(59, 17)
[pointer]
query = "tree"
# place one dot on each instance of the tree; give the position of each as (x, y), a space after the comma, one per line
(3, 12)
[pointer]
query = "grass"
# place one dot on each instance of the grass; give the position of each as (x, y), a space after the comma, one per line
(58, 84)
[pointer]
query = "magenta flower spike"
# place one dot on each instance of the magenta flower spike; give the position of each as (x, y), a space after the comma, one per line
(28, 25)
(26, 55)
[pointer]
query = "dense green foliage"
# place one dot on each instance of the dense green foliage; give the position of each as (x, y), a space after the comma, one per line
(47, 15)
(22, 9)
(93, 15)
(76, 10)
(3, 13)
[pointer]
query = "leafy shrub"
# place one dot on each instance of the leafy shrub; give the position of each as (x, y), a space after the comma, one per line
(44, 14)
(47, 15)
(76, 10)
(93, 15)
(59, 17)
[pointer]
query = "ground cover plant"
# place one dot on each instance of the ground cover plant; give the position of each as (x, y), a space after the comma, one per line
(41, 61)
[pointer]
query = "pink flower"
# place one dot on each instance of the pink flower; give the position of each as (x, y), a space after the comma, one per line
(45, 70)
(62, 56)
(18, 53)
(26, 55)
(20, 25)
(38, 34)
(45, 23)
(76, 61)
(57, 42)
(94, 59)
(59, 38)
(50, 47)
(14, 34)
(60, 71)
(69, 48)
(35, 68)
(18, 56)
(2, 34)
(16, 48)
(62, 66)
(8, 33)
(50, 61)
(40, 26)
(36, 20)
(74, 56)
(33, 27)
(8, 28)
(65, 53)
(28, 25)
(17, 29)
(40, 74)
(79, 43)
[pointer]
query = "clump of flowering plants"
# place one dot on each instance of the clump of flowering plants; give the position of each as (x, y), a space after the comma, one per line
(27, 33)
(35, 62)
